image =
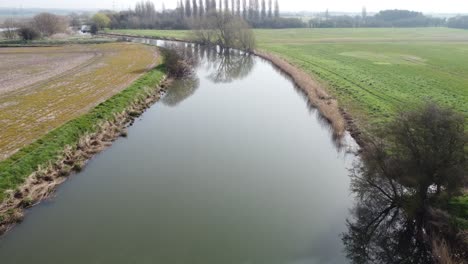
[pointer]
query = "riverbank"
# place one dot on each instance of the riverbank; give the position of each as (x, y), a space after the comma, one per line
(34, 172)
(316, 94)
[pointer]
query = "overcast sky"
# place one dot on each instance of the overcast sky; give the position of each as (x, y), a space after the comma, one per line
(433, 6)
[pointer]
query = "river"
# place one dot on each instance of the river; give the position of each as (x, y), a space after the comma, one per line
(231, 166)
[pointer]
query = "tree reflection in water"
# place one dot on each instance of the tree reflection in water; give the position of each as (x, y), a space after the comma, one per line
(382, 229)
(391, 224)
(228, 65)
(403, 183)
(222, 66)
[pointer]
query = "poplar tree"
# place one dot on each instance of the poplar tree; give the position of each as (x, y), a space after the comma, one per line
(244, 9)
(201, 9)
(181, 10)
(188, 8)
(207, 6)
(256, 10)
(226, 6)
(194, 8)
(270, 8)
(263, 10)
(277, 11)
(213, 6)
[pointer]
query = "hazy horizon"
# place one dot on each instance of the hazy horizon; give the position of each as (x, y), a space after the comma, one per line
(430, 6)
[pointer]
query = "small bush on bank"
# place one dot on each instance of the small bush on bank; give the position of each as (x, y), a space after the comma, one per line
(28, 33)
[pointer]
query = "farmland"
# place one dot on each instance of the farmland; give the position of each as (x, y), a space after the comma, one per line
(42, 88)
(374, 72)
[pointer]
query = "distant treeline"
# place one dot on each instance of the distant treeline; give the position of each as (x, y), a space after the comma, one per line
(387, 18)
(458, 22)
(258, 13)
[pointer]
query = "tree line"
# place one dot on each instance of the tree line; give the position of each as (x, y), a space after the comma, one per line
(386, 18)
(458, 22)
(41, 25)
(257, 13)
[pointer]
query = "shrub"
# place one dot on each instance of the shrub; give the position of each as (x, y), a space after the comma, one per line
(28, 33)
(176, 65)
(49, 24)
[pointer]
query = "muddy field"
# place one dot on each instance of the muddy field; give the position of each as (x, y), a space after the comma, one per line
(42, 88)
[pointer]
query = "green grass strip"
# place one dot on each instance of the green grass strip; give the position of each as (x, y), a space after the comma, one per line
(15, 169)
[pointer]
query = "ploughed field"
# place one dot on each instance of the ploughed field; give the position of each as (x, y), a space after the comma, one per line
(373, 72)
(41, 88)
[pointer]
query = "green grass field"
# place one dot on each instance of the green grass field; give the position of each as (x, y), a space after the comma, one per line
(373, 72)
(179, 34)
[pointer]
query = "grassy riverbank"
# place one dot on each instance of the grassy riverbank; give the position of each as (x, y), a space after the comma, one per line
(15, 169)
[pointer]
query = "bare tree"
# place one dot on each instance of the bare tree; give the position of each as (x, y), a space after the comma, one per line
(48, 24)
(10, 29)
(75, 20)
(225, 30)
(238, 10)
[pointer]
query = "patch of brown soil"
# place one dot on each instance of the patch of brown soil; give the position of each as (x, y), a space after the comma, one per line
(33, 65)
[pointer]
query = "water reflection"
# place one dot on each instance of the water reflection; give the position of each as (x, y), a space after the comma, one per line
(228, 67)
(391, 223)
(180, 91)
(382, 229)
(222, 67)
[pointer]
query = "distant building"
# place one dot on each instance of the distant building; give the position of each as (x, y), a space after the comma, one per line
(86, 29)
